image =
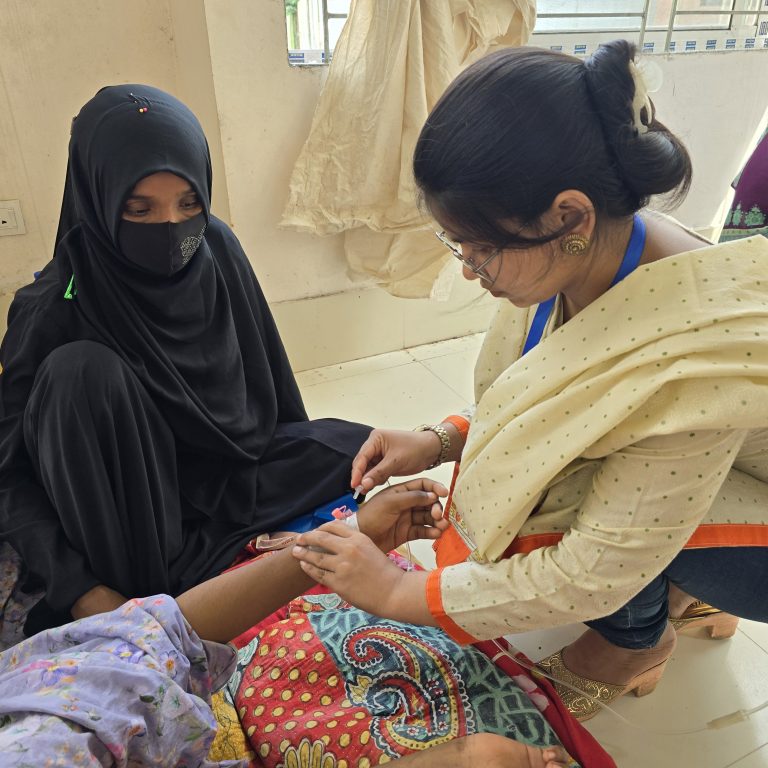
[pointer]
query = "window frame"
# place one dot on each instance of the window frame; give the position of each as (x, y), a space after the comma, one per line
(712, 34)
(646, 36)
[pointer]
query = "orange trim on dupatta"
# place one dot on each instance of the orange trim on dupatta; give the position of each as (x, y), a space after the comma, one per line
(706, 535)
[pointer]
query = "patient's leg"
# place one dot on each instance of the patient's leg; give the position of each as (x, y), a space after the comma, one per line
(487, 750)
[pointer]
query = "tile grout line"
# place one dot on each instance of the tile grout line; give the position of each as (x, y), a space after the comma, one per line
(754, 751)
(465, 402)
(354, 375)
(407, 350)
(752, 640)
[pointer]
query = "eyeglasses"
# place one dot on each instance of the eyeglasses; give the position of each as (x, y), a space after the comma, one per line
(455, 249)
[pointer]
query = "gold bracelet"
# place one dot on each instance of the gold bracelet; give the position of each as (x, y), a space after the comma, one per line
(445, 442)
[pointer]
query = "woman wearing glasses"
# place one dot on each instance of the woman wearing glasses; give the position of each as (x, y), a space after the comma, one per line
(616, 468)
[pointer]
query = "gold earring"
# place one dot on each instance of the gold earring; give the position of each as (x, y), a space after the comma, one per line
(574, 244)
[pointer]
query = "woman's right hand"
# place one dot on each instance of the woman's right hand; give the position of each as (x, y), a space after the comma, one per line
(393, 452)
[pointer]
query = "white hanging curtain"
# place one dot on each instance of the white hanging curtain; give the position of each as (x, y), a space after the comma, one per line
(393, 61)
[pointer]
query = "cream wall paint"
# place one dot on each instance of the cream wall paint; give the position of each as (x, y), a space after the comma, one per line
(194, 86)
(265, 108)
(714, 102)
(54, 55)
(51, 61)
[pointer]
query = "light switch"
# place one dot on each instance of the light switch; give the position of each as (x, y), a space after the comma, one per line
(11, 220)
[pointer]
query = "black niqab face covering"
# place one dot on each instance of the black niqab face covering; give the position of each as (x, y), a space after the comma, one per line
(122, 135)
(161, 249)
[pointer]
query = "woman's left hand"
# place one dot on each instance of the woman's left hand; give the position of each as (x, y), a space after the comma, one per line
(404, 512)
(351, 565)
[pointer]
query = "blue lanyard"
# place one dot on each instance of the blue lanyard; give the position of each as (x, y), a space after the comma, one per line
(628, 264)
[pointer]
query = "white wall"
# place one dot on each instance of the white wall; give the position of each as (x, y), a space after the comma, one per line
(195, 87)
(714, 102)
(227, 59)
(265, 107)
(54, 55)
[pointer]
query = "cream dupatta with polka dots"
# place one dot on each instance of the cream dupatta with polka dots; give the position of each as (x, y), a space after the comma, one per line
(680, 344)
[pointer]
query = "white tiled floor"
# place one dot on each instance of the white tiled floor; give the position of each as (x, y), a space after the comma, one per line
(705, 678)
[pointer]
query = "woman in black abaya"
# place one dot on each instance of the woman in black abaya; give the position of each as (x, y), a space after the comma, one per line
(150, 423)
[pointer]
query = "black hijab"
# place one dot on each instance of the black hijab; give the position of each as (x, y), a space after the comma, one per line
(201, 341)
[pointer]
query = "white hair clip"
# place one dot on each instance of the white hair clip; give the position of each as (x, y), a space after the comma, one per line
(647, 76)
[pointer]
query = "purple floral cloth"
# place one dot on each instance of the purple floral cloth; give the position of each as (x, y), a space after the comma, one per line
(749, 210)
(127, 688)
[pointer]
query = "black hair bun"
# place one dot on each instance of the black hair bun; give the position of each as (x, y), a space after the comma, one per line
(651, 161)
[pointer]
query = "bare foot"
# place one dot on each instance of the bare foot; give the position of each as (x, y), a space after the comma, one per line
(593, 657)
(487, 750)
(268, 542)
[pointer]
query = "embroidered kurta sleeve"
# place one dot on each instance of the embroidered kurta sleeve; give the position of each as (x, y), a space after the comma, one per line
(643, 504)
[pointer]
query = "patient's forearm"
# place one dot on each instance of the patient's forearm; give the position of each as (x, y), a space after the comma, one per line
(225, 606)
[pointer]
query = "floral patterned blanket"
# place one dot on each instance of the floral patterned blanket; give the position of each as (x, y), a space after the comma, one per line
(130, 687)
(318, 684)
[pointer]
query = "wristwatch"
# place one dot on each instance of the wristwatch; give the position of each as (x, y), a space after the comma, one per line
(445, 441)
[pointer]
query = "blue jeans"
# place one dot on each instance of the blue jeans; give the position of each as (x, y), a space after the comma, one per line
(733, 579)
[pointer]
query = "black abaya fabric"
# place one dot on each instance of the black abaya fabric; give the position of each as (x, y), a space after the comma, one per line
(199, 351)
(201, 341)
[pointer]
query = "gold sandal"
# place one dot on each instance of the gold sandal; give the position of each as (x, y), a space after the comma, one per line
(700, 615)
(584, 707)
